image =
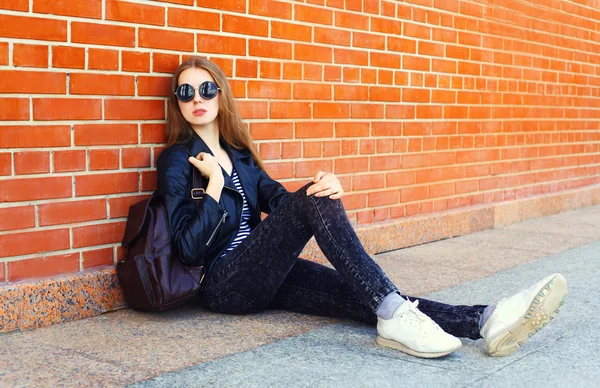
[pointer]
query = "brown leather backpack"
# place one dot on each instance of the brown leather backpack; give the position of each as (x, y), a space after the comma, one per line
(152, 276)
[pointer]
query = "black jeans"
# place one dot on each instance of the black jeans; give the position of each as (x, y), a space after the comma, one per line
(264, 271)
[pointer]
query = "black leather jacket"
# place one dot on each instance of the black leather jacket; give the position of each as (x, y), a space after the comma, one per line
(202, 229)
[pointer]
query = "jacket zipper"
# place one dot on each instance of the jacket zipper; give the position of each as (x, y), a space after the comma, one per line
(221, 221)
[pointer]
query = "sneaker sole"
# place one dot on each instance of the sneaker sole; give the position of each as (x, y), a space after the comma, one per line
(387, 343)
(541, 311)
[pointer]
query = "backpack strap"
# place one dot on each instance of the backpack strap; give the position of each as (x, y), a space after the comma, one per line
(197, 191)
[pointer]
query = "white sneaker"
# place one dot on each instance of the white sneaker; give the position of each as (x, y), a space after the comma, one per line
(517, 318)
(413, 332)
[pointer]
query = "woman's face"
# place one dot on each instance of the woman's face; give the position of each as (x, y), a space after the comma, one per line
(198, 112)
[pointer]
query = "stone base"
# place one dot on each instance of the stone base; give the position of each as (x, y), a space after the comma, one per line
(30, 305)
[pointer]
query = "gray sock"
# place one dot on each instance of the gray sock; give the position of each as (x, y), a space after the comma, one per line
(486, 314)
(389, 305)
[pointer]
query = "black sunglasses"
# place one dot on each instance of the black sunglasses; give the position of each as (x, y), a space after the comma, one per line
(207, 90)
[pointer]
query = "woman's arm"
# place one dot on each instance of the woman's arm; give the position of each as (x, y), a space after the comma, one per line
(191, 222)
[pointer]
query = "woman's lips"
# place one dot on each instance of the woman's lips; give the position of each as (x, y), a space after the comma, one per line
(199, 112)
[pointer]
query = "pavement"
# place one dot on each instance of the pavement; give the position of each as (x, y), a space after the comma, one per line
(192, 347)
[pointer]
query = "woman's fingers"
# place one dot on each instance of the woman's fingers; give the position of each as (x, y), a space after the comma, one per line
(318, 176)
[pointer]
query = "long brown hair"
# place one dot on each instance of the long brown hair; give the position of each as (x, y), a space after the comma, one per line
(231, 127)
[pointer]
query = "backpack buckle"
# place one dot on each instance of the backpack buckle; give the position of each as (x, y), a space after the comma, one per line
(197, 193)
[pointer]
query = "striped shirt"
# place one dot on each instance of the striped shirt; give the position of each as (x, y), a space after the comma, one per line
(245, 229)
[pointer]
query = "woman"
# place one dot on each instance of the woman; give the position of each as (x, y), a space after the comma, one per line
(253, 265)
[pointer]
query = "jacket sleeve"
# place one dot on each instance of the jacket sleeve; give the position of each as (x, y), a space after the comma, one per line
(271, 193)
(191, 222)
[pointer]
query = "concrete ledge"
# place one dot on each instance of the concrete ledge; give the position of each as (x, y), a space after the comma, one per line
(30, 305)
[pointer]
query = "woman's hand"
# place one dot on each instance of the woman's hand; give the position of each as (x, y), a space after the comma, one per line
(326, 184)
(207, 165)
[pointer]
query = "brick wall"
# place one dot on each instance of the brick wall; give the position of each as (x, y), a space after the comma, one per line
(418, 106)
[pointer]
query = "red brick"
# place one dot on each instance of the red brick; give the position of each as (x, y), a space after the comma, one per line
(153, 133)
(3, 54)
(67, 109)
(371, 111)
(68, 57)
(352, 129)
(134, 13)
(291, 31)
(104, 159)
(97, 258)
(14, 5)
(295, 110)
(310, 168)
(364, 40)
(368, 182)
(270, 150)
(20, 217)
(246, 68)
(312, 91)
(32, 162)
(72, 160)
(198, 20)
(382, 198)
(351, 20)
(386, 162)
(102, 34)
(44, 266)
(379, 93)
(14, 109)
(28, 82)
(331, 110)
(105, 134)
(271, 130)
(119, 206)
(387, 128)
(275, 9)
(102, 84)
(270, 69)
(410, 194)
(416, 31)
(5, 163)
(351, 165)
(386, 26)
(89, 9)
(264, 48)
(221, 45)
(45, 29)
(304, 52)
(28, 55)
(35, 136)
(291, 150)
(313, 14)
(264, 89)
(102, 59)
(332, 36)
(134, 109)
(314, 129)
(72, 212)
(154, 86)
(98, 234)
(135, 157)
(385, 60)
(280, 170)
(148, 180)
(253, 109)
(111, 183)
(228, 5)
(28, 189)
(135, 61)
(402, 178)
(164, 63)
(244, 25)
(312, 149)
(351, 57)
(166, 39)
(348, 92)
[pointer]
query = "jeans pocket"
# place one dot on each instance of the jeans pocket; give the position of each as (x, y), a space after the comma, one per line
(232, 303)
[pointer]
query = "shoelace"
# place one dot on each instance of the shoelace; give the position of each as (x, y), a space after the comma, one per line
(423, 318)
